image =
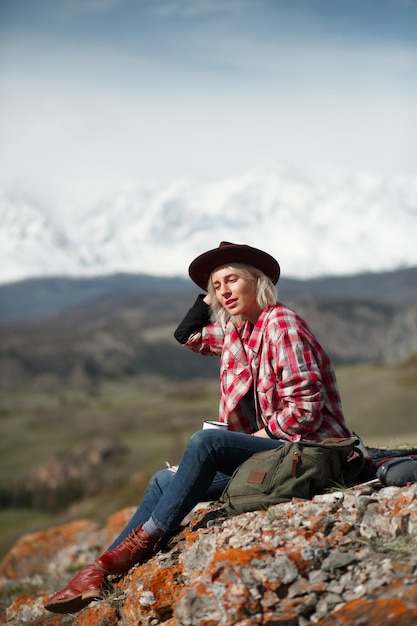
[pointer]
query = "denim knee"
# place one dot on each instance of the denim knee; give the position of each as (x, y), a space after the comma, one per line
(203, 437)
(161, 480)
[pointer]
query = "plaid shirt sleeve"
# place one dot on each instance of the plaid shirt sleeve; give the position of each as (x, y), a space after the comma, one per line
(209, 340)
(299, 399)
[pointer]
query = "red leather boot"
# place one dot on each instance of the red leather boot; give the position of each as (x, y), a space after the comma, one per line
(89, 583)
(135, 548)
(85, 587)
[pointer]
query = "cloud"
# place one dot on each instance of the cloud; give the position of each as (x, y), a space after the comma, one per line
(189, 8)
(101, 89)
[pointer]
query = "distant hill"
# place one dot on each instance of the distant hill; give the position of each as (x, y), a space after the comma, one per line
(398, 287)
(82, 331)
(34, 298)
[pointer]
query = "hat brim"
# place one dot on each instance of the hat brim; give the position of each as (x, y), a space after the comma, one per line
(227, 254)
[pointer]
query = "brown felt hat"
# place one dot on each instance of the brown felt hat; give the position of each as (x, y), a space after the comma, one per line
(228, 253)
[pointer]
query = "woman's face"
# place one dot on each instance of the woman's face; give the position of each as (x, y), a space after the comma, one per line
(236, 294)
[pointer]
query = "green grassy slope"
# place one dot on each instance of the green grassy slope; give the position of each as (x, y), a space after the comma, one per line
(380, 401)
(152, 419)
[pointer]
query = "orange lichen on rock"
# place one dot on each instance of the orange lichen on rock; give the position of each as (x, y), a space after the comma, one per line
(234, 556)
(279, 619)
(16, 606)
(389, 612)
(116, 523)
(302, 563)
(32, 553)
(342, 530)
(166, 584)
(345, 559)
(97, 614)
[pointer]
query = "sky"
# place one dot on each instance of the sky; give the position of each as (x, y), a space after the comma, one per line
(96, 91)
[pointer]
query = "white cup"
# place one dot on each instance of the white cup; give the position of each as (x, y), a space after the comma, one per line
(210, 424)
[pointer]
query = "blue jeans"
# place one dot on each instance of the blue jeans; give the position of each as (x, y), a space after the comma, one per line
(210, 458)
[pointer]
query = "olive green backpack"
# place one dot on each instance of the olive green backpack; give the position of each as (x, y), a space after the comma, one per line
(294, 470)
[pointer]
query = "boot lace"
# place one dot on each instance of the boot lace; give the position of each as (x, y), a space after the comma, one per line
(134, 543)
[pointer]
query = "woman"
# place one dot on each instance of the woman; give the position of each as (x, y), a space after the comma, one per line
(277, 385)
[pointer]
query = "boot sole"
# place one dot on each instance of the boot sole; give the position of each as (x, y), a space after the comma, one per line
(75, 604)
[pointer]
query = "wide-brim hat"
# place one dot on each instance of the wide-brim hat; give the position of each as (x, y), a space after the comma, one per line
(228, 253)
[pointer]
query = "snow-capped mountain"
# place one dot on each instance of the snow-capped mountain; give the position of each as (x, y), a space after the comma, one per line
(316, 223)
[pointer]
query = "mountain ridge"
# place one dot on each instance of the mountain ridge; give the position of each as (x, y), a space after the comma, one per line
(314, 223)
(131, 333)
(36, 297)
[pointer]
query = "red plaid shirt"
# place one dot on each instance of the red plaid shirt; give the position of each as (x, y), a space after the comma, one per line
(296, 393)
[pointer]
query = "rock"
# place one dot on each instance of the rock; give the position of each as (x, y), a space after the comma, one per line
(347, 557)
(66, 476)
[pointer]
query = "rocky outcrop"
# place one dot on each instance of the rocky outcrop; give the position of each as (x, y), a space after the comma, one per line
(344, 558)
(66, 476)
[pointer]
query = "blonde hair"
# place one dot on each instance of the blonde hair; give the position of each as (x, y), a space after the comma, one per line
(266, 292)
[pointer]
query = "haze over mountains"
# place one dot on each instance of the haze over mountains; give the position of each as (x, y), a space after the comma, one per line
(82, 331)
(325, 223)
(346, 245)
